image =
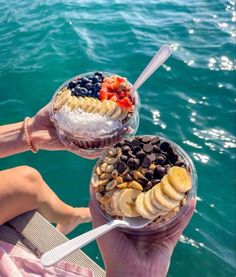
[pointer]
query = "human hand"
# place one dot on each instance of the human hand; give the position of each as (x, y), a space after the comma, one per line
(127, 255)
(44, 135)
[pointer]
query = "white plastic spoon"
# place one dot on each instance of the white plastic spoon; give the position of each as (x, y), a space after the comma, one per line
(160, 57)
(61, 251)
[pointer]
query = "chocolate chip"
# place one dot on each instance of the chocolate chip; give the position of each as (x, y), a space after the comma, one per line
(161, 170)
(146, 139)
(120, 167)
(156, 181)
(127, 178)
(131, 163)
(164, 153)
(160, 159)
(135, 143)
(170, 150)
(148, 186)
(143, 180)
(148, 148)
(137, 163)
(141, 145)
(149, 174)
(118, 144)
(179, 163)
(141, 155)
(130, 153)
(123, 158)
(156, 149)
(155, 140)
(164, 146)
(146, 162)
(174, 158)
(167, 167)
(125, 149)
(136, 149)
(127, 142)
(152, 157)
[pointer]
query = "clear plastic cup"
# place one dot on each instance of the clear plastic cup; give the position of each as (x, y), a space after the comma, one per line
(90, 142)
(164, 227)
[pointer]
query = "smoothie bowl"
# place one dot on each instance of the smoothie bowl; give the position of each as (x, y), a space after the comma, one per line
(92, 111)
(145, 176)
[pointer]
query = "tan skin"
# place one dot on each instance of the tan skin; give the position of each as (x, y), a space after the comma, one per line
(128, 255)
(23, 188)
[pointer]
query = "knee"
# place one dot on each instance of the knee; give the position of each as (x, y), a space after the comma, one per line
(29, 181)
(28, 174)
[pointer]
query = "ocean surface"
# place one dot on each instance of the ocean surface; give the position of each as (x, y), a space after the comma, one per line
(191, 99)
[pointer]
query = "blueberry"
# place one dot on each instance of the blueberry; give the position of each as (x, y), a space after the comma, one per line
(84, 81)
(95, 94)
(72, 92)
(88, 86)
(89, 93)
(98, 73)
(72, 84)
(83, 91)
(97, 79)
(90, 77)
(96, 87)
(77, 88)
(76, 93)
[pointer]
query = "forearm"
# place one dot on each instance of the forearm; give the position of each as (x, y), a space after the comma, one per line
(12, 139)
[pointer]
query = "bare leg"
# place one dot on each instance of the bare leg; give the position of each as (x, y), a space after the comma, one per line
(22, 189)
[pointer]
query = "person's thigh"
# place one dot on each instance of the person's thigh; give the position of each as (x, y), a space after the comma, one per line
(19, 191)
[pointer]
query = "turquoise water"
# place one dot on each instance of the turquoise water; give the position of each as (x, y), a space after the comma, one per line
(191, 99)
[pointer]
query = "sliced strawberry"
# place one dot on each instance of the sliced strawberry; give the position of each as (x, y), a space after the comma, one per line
(117, 82)
(110, 94)
(114, 98)
(103, 95)
(125, 103)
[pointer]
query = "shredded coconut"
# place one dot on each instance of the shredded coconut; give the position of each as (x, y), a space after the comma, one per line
(78, 121)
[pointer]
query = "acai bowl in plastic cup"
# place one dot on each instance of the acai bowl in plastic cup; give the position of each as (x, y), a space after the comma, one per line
(147, 176)
(94, 110)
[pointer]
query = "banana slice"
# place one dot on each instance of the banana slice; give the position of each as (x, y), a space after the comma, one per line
(169, 190)
(91, 105)
(112, 107)
(127, 202)
(61, 99)
(150, 207)
(107, 197)
(156, 203)
(141, 208)
(69, 101)
(86, 104)
(104, 108)
(123, 114)
(80, 101)
(97, 106)
(179, 179)
(117, 113)
(107, 208)
(163, 199)
(115, 202)
(73, 104)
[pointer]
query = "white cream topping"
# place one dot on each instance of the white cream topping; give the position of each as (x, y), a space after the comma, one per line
(78, 121)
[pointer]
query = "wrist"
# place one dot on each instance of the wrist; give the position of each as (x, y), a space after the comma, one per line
(37, 135)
